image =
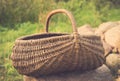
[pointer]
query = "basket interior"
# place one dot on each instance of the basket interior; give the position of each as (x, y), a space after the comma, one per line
(39, 36)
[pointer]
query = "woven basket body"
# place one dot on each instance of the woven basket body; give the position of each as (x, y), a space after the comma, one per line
(49, 53)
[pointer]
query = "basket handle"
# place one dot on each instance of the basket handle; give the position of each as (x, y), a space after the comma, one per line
(61, 11)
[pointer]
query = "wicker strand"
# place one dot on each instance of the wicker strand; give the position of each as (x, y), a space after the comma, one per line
(62, 11)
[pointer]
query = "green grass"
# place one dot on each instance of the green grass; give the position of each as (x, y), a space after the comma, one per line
(7, 38)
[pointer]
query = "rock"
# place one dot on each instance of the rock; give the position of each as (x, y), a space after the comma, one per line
(107, 48)
(100, 74)
(85, 30)
(118, 79)
(104, 27)
(112, 37)
(113, 62)
(109, 32)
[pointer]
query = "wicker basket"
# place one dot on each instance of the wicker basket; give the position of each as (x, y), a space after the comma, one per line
(49, 53)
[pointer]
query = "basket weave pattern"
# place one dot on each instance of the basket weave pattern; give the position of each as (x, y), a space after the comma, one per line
(48, 53)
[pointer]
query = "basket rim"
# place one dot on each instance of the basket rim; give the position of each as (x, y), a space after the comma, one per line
(21, 39)
(62, 35)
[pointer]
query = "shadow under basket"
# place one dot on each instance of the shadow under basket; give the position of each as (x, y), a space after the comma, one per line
(100, 74)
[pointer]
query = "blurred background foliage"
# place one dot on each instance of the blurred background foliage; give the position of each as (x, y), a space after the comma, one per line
(23, 17)
(18, 11)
